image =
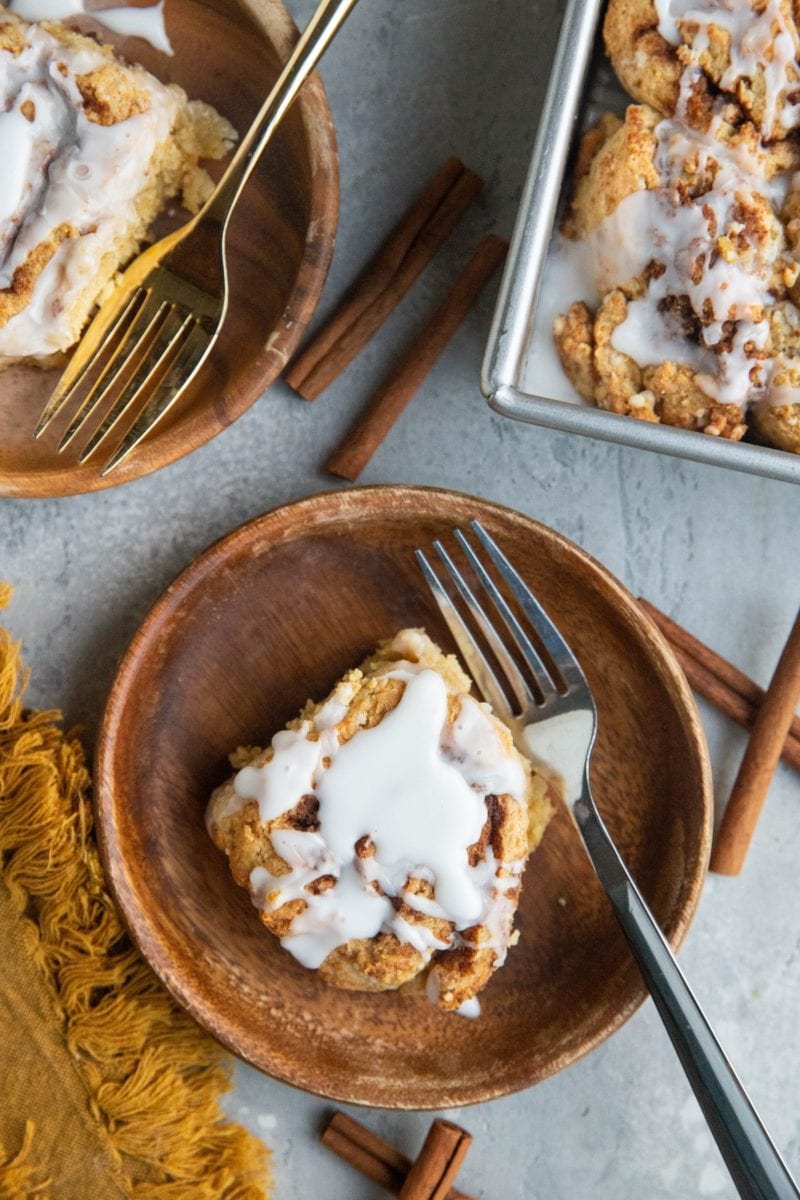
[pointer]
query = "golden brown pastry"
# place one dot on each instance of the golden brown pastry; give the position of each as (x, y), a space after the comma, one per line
(740, 57)
(685, 220)
(383, 834)
(693, 270)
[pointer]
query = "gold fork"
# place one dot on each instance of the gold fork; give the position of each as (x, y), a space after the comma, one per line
(151, 337)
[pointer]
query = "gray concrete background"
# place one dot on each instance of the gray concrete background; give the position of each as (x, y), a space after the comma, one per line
(411, 81)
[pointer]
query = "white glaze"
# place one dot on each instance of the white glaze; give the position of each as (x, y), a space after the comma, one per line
(567, 278)
(559, 744)
(764, 42)
(783, 394)
(416, 786)
(473, 742)
(426, 814)
(145, 22)
(334, 709)
(17, 136)
(78, 173)
(45, 10)
(470, 1008)
(290, 774)
(680, 234)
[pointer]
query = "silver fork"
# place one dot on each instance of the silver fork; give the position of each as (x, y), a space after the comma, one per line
(756, 1167)
(153, 334)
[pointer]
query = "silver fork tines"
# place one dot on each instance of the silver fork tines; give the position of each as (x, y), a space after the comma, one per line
(563, 659)
(553, 696)
(477, 662)
(531, 654)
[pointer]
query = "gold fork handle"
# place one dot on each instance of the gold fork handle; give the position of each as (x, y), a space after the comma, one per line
(314, 41)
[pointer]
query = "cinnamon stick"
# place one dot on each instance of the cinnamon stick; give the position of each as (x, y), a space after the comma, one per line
(719, 681)
(382, 285)
(759, 762)
(370, 1154)
(730, 703)
(366, 1152)
(725, 671)
(439, 1162)
(379, 271)
(417, 359)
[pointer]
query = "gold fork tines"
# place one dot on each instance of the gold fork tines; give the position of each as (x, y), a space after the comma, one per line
(125, 369)
(183, 370)
(118, 360)
(161, 341)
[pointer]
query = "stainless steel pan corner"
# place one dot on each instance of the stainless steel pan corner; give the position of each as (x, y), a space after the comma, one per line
(519, 291)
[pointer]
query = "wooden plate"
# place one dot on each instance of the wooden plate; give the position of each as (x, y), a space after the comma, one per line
(273, 614)
(227, 52)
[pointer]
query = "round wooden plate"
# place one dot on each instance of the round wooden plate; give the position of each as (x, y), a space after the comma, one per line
(229, 53)
(274, 613)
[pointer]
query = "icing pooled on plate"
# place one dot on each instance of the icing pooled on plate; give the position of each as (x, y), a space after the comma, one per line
(145, 21)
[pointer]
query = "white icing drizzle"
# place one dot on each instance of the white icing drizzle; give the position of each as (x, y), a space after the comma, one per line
(145, 22)
(68, 170)
(290, 774)
(731, 275)
(45, 10)
(334, 709)
(427, 813)
(17, 136)
(567, 276)
(558, 744)
(504, 877)
(784, 394)
(685, 240)
(348, 910)
(413, 784)
(763, 40)
(470, 1008)
(473, 742)
(307, 856)
(683, 235)
(421, 904)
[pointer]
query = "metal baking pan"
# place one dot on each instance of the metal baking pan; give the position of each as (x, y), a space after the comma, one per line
(581, 86)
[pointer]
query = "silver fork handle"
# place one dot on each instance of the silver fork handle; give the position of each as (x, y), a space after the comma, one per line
(756, 1167)
(312, 44)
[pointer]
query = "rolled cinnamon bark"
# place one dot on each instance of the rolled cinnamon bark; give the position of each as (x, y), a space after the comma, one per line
(720, 682)
(415, 362)
(430, 1177)
(729, 677)
(366, 1152)
(760, 759)
(372, 1155)
(402, 258)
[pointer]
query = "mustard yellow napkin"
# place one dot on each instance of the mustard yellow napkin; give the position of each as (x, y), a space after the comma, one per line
(107, 1090)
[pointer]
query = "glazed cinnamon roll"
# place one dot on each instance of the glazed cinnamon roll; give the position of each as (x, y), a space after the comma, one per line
(383, 834)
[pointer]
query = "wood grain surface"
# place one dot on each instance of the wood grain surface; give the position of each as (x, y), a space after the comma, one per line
(274, 613)
(229, 53)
